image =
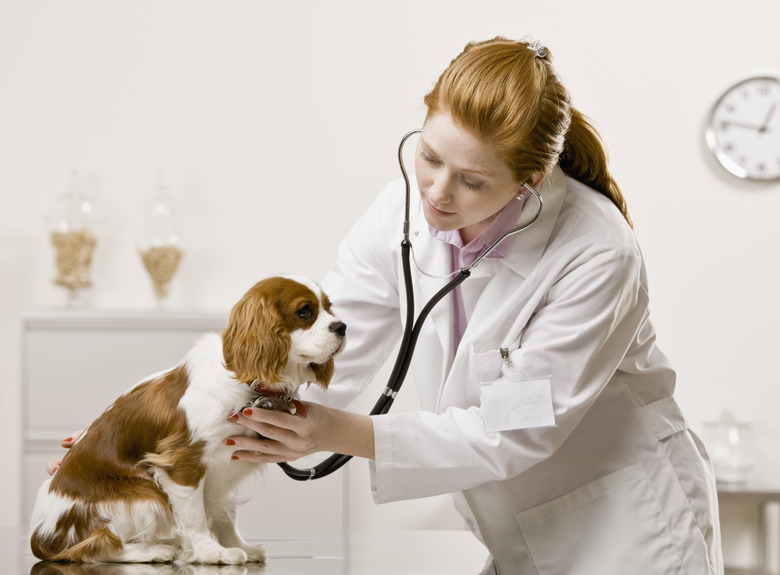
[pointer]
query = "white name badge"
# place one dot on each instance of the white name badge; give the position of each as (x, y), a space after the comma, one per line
(509, 404)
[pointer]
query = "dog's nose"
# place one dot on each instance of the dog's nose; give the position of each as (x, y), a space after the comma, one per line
(339, 328)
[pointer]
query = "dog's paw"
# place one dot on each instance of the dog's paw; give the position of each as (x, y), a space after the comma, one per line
(224, 556)
(161, 554)
(145, 553)
(255, 553)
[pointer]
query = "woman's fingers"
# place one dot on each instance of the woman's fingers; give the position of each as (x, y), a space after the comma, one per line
(260, 450)
(54, 464)
(286, 437)
(283, 437)
(284, 427)
(67, 443)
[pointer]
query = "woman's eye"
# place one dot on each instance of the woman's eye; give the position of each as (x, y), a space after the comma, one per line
(470, 185)
(429, 159)
(305, 312)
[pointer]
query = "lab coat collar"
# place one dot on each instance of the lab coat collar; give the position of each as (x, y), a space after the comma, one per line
(431, 267)
(434, 258)
(527, 246)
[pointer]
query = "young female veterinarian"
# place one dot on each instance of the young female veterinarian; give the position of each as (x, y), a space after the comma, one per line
(605, 478)
(618, 484)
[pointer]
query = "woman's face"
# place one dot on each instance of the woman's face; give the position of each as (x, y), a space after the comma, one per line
(463, 182)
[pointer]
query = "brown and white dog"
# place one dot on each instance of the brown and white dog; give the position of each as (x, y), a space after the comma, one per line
(151, 480)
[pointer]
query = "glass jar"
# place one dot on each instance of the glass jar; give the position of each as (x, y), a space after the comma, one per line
(731, 448)
(71, 222)
(159, 241)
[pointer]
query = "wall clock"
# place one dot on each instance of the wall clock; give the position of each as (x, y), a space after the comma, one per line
(743, 129)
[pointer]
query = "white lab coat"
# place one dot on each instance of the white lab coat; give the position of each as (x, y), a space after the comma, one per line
(619, 485)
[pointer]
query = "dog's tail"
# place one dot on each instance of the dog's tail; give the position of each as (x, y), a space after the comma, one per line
(100, 546)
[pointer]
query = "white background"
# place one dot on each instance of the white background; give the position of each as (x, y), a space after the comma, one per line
(281, 121)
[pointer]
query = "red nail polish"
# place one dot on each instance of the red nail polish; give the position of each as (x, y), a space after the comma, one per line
(229, 442)
(233, 417)
(68, 440)
(247, 412)
(234, 457)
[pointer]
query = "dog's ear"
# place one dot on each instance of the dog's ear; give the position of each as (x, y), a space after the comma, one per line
(255, 344)
(322, 373)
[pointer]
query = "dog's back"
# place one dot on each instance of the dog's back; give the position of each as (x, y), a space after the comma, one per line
(132, 489)
(104, 492)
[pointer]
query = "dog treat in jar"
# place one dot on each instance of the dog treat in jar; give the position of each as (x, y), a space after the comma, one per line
(73, 252)
(161, 262)
(72, 220)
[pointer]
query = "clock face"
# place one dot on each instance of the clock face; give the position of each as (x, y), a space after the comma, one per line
(744, 129)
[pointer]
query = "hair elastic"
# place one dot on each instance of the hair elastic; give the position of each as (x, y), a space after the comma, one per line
(538, 48)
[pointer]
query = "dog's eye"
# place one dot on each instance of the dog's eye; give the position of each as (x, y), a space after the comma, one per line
(305, 312)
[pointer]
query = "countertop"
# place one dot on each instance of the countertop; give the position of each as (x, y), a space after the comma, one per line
(350, 553)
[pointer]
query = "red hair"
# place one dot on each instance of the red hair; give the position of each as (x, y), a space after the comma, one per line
(508, 93)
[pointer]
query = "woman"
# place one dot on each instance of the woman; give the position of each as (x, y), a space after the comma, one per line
(618, 484)
(604, 478)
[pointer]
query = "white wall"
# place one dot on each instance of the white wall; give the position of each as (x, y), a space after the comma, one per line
(282, 118)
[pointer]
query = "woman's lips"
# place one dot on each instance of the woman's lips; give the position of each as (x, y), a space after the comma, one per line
(437, 212)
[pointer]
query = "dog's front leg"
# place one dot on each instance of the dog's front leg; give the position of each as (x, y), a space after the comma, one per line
(221, 492)
(223, 524)
(189, 513)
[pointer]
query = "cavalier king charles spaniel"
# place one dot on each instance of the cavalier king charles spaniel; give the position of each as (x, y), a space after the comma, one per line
(151, 480)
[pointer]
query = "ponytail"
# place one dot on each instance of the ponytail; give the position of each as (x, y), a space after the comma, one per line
(584, 158)
(508, 93)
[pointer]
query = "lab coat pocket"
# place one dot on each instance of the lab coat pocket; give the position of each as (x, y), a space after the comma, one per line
(612, 525)
(486, 366)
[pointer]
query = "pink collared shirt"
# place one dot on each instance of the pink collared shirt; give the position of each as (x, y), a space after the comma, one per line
(464, 256)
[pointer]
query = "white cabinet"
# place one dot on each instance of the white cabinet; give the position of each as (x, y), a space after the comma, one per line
(764, 499)
(75, 363)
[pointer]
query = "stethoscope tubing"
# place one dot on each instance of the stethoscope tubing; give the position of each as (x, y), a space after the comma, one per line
(398, 375)
(412, 326)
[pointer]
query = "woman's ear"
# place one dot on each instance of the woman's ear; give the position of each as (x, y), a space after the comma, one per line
(323, 372)
(255, 345)
(535, 180)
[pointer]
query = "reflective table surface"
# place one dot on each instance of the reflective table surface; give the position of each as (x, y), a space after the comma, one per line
(350, 553)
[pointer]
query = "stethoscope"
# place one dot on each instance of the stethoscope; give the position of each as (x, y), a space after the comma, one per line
(412, 326)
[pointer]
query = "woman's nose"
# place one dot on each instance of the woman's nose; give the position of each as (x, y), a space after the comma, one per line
(439, 193)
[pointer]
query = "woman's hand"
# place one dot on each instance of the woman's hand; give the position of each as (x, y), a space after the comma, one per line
(54, 465)
(287, 437)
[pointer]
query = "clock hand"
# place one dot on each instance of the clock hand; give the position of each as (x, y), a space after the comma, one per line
(769, 114)
(725, 123)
